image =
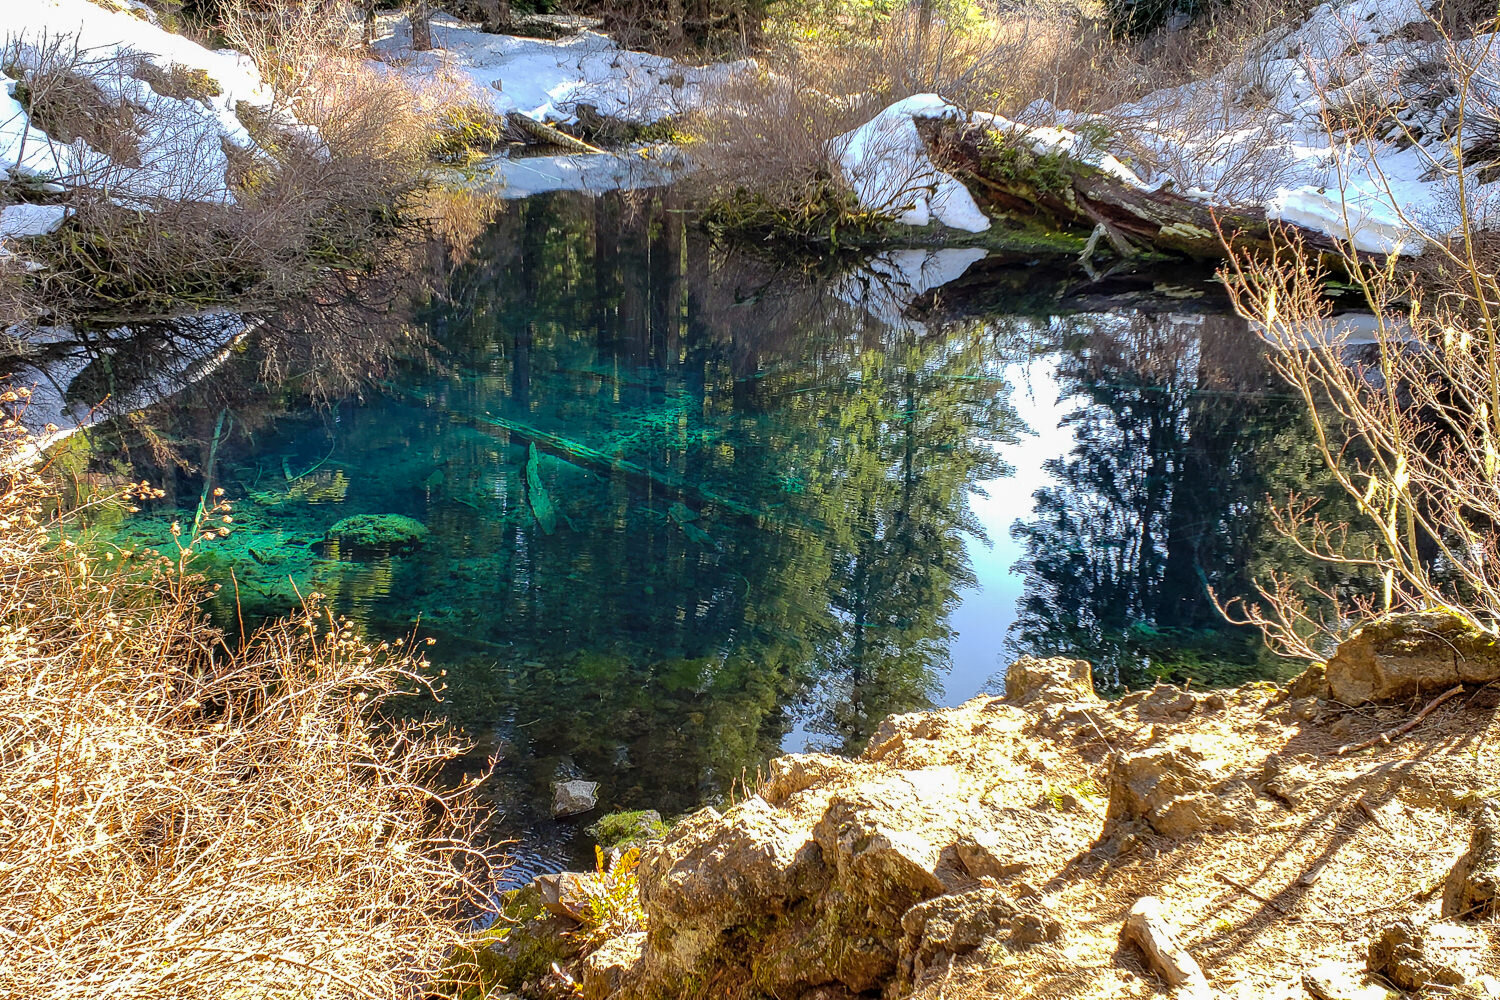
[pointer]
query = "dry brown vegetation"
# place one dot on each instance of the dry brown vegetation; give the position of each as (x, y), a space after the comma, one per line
(180, 817)
(340, 159)
(828, 67)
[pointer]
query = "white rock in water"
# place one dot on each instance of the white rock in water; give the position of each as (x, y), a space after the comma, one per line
(569, 798)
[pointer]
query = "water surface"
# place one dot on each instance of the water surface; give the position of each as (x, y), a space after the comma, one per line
(687, 508)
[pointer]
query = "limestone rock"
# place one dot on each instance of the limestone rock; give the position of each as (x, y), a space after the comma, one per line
(1147, 928)
(715, 873)
(895, 730)
(1414, 955)
(563, 894)
(1030, 680)
(1342, 981)
(1311, 683)
(1401, 656)
(936, 931)
(800, 771)
(1175, 791)
(570, 798)
(1473, 887)
(1012, 843)
(1166, 701)
(889, 835)
(607, 970)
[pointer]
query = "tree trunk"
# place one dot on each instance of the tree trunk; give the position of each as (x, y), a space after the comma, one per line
(1061, 193)
(421, 26)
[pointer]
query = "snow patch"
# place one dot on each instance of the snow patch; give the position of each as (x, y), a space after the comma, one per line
(30, 220)
(181, 140)
(547, 79)
(886, 162)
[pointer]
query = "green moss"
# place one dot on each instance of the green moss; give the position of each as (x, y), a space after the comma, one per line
(1012, 163)
(628, 829)
(523, 945)
(377, 532)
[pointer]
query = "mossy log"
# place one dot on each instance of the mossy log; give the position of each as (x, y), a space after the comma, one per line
(1009, 180)
(546, 135)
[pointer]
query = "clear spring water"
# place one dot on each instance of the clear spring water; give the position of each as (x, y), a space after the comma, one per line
(687, 508)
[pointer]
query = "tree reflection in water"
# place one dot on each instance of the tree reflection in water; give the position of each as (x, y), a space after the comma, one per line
(759, 492)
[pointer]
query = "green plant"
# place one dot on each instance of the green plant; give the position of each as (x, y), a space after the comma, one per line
(614, 895)
(465, 131)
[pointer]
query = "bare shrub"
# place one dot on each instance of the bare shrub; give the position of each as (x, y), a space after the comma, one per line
(179, 818)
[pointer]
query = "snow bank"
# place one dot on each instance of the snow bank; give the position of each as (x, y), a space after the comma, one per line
(547, 79)
(886, 162)
(181, 141)
(1253, 135)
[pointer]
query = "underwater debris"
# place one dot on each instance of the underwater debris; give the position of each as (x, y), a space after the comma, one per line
(536, 494)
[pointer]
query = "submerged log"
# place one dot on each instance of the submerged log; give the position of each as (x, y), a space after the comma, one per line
(1059, 192)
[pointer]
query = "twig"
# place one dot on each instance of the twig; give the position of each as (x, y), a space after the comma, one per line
(1242, 887)
(1391, 735)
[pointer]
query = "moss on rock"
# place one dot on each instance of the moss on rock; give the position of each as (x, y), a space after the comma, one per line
(377, 532)
(633, 828)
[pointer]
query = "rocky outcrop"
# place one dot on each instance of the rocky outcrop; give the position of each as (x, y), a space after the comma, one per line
(1415, 955)
(1003, 848)
(1403, 656)
(1052, 680)
(1175, 790)
(1473, 887)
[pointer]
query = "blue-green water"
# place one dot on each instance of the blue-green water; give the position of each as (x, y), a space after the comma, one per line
(686, 508)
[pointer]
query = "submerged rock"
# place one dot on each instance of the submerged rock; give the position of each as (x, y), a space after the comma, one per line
(376, 533)
(1402, 656)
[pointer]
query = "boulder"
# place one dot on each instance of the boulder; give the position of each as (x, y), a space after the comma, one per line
(625, 830)
(563, 894)
(938, 930)
(1014, 843)
(800, 771)
(1166, 701)
(1473, 887)
(614, 964)
(1175, 791)
(1414, 955)
(715, 874)
(1057, 679)
(572, 798)
(1406, 655)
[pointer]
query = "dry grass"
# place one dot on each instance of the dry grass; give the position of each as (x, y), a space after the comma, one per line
(179, 818)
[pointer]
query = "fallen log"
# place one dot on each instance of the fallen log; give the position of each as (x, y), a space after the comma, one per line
(546, 135)
(1011, 180)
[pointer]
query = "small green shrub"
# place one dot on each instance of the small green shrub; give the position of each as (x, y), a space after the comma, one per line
(466, 131)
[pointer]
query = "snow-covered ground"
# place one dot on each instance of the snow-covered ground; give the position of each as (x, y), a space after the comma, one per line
(179, 144)
(1253, 134)
(548, 79)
